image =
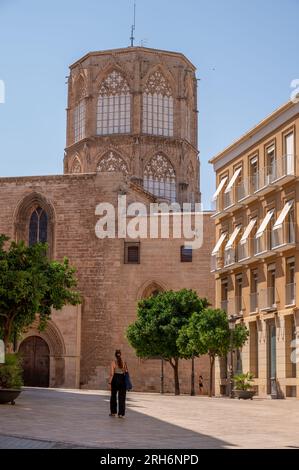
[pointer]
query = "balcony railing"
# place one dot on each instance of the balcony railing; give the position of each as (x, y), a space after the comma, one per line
(216, 263)
(285, 166)
(243, 251)
(290, 294)
(238, 304)
(261, 244)
(228, 199)
(235, 305)
(216, 205)
(229, 257)
(267, 299)
(224, 305)
(283, 236)
(280, 171)
(242, 190)
(253, 302)
(264, 246)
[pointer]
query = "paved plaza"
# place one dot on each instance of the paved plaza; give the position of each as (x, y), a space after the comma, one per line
(47, 418)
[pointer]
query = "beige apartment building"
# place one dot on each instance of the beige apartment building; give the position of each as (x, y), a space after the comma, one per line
(256, 258)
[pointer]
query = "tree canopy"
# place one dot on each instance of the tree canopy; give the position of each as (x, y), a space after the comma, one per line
(31, 284)
(159, 321)
(208, 332)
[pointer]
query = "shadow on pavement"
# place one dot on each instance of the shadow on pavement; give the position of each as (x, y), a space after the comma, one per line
(83, 419)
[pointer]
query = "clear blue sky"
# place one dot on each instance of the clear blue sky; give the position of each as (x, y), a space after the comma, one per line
(246, 53)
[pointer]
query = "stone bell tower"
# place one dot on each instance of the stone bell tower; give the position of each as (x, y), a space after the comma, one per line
(134, 110)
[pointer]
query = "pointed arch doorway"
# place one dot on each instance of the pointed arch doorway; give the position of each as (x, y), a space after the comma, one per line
(36, 361)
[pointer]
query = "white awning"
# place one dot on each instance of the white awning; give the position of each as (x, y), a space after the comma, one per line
(264, 224)
(233, 180)
(219, 189)
(247, 231)
(283, 214)
(271, 149)
(219, 243)
(233, 237)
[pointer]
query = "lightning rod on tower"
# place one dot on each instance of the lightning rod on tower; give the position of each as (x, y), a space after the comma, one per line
(132, 38)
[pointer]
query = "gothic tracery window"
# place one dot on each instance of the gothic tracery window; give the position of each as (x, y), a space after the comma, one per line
(159, 178)
(80, 112)
(114, 105)
(38, 226)
(112, 162)
(76, 167)
(157, 106)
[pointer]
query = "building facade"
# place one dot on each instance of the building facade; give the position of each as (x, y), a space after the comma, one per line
(131, 131)
(255, 260)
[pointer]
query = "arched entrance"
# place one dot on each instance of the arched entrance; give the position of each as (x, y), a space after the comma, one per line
(36, 361)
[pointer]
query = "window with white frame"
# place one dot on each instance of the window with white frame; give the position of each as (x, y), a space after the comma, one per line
(157, 106)
(159, 178)
(79, 120)
(114, 105)
(79, 110)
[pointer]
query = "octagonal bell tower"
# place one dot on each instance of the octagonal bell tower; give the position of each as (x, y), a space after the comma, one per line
(134, 110)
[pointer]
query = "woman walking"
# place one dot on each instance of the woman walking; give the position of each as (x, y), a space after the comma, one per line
(118, 385)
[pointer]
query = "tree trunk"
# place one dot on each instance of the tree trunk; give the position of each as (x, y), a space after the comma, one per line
(175, 367)
(176, 377)
(212, 360)
(6, 343)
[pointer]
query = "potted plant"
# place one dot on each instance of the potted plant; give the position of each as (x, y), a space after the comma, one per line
(10, 379)
(243, 386)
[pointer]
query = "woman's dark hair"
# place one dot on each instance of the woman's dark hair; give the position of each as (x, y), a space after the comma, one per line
(119, 359)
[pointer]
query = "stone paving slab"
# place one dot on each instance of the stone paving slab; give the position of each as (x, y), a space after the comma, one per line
(80, 418)
(12, 442)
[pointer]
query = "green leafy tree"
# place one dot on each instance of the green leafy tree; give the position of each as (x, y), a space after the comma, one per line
(208, 332)
(31, 284)
(11, 372)
(158, 325)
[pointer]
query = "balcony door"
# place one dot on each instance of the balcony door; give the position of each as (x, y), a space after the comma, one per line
(271, 164)
(289, 153)
(271, 366)
(254, 174)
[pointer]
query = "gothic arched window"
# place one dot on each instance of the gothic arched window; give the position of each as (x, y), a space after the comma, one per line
(112, 162)
(157, 106)
(80, 111)
(114, 105)
(159, 178)
(38, 227)
(76, 166)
